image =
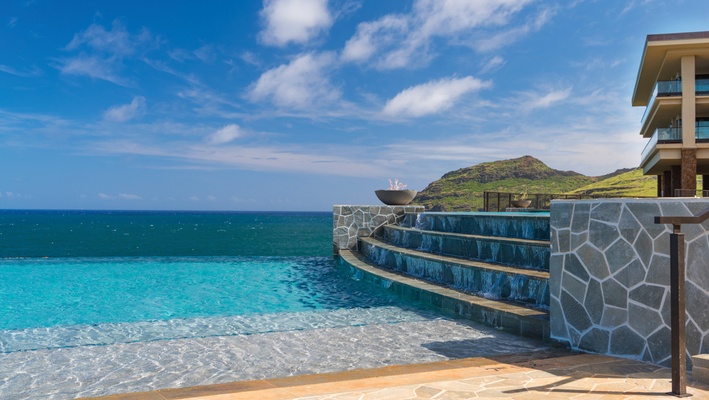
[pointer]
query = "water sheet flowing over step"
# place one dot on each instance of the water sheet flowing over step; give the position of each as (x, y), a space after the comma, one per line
(497, 282)
(489, 267)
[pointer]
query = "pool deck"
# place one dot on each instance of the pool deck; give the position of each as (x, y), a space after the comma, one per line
(548, 375)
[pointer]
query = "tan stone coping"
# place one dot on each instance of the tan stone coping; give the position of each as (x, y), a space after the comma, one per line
(521, 376)
(283, 388)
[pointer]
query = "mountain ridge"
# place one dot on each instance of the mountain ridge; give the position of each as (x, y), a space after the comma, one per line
(462, 189)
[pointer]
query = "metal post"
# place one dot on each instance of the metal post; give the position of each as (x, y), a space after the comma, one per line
(677, 315)
(677, 301)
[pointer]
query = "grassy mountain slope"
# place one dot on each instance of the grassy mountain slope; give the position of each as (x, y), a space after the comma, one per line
(462, 190)
(629, 184)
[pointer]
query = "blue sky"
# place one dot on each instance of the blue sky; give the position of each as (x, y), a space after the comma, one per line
(302, 104)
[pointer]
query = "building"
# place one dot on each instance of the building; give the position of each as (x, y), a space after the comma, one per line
(673, 85)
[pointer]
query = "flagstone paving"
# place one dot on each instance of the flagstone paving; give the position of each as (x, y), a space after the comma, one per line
(525, 376)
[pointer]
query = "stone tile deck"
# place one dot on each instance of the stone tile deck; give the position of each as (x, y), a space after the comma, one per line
(575, 376)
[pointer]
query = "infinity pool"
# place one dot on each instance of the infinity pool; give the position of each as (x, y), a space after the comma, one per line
(49, 303)
(93, 327)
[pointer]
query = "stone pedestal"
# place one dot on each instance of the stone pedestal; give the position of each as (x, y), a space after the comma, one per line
(351, 222)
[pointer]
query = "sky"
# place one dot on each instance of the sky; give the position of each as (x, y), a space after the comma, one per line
(298, 105)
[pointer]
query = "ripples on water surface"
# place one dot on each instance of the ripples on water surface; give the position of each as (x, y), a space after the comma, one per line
(135, 301)
(70, 291)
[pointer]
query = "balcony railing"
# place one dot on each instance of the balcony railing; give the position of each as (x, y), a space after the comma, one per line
(702, 132)
(702, 87)
(663, 135)
(674, 88)
(663, 89)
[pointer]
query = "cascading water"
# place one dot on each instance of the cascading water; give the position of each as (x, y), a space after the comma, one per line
(399, 260)
(394, 236)
(492, 285)
(494, 251)
(419, 222)
(473, 279)
(450, 224)
(378, 255)
(426, 243)
(406, 239)
(427, 269)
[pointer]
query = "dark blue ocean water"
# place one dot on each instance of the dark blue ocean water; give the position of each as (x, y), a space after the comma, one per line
(60, 268)
(163, 233)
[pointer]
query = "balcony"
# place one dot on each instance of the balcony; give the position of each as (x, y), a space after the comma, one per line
(664, 89)
(674, 89)
(702, 87)
(664, 135)
(702, 133)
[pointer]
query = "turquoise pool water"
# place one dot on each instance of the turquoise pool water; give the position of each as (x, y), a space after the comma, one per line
(53, 292)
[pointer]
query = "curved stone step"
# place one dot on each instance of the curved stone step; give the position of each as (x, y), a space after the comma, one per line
(503, 315)
(523, 253)
(483, 279)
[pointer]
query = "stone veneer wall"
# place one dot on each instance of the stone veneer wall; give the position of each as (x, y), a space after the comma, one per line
(610, 277)
(351, 222)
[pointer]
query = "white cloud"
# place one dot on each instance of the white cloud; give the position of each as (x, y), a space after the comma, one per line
(507, 37)
(205, 53)
(432, 97)
(121, 196)
(126, 112)
(344, 160)
(296, 21)
(34, 71)
(371, 36)
(453, 16)
(94, 67)
(225, 134)
(102, 51)
(299, 84)
(118, 41)
(493, 64)
(404, 40)
(534, 100)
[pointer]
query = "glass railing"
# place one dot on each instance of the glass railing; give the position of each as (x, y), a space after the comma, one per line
(702, 132)
(702, 87)
(663, 89)
(663, 135)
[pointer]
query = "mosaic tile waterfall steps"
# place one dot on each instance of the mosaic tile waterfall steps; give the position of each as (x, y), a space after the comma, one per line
(489, 267)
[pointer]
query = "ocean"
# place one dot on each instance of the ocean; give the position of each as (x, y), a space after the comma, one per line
(57, 233)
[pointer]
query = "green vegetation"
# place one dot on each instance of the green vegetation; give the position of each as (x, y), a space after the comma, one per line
(462, 190)
(629, 184)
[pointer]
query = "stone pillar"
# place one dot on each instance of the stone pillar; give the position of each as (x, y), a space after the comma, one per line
(689, 107)
(667, 184)
(688, 179)
(705, 183)
(659, 186)
(689, 172)
(676, 180)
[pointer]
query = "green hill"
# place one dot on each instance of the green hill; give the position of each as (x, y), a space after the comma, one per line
(462, 190)
(629, 184)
